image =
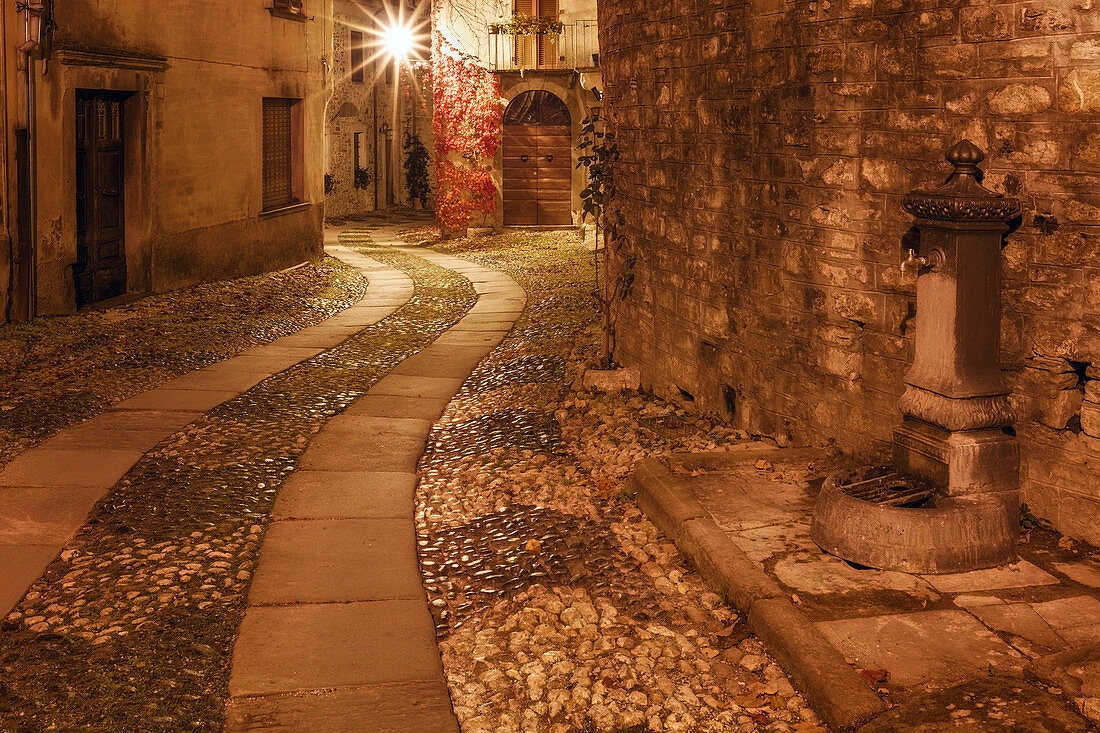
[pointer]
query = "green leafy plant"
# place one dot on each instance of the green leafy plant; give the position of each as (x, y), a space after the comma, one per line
(363, 178)
(522, 24)
(598, 155)
(1029, 521)
(416, 169)
(330, 183)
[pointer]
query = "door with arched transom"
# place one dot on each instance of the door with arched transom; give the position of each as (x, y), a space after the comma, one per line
(537, 161)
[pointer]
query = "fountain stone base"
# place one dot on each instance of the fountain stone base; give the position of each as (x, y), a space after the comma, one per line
(937, 534)
(962, 461)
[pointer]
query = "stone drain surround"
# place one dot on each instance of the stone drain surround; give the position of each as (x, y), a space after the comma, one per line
(338, 631)
(47, 493)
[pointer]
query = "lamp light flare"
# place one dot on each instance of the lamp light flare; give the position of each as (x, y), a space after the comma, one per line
(399, 41)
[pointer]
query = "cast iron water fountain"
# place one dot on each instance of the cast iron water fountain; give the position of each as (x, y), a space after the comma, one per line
(950, 502)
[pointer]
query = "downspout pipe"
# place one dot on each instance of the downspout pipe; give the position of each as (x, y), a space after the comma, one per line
(28, 120)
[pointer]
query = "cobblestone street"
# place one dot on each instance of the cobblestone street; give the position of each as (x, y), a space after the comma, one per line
(557, 605)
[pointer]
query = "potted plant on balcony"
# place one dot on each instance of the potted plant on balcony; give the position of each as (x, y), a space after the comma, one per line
(522, 24)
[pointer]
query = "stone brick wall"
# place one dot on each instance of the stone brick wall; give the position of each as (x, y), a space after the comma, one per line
(765, 149)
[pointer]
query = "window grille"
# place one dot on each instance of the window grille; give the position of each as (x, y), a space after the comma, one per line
(293, 7)
(278, 182)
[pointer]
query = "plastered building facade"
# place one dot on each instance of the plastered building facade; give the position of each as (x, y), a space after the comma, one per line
(172, 143)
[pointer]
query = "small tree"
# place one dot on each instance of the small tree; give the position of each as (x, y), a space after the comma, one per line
(599, 153)
(416, 168)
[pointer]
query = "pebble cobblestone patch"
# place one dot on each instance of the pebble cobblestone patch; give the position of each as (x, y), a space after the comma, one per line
(558, 606)
(132, 628)
(57, 371)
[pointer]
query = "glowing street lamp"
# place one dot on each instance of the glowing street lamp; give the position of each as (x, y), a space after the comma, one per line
(398, 41)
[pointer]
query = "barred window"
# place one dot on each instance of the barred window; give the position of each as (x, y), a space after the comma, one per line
(279, 141)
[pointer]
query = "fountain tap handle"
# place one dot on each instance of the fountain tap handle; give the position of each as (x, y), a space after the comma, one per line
(912, 260)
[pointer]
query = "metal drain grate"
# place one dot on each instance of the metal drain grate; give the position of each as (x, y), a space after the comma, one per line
(889, 489)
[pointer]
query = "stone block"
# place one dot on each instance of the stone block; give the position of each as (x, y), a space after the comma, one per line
(306, 647)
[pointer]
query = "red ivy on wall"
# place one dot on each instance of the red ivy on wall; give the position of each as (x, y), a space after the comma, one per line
(467, 121)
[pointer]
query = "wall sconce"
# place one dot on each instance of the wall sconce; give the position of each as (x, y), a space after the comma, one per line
(386, 128)
(32, 12)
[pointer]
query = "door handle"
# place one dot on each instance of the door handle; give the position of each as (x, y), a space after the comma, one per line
(524, 158)
(549, 158)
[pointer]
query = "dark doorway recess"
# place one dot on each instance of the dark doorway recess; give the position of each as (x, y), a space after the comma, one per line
(100, 269)
(537, 161)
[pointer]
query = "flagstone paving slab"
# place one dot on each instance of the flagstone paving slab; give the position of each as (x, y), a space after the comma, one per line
(413, 707)
(319, 646)
(336, 494)
(98, 467)
(1020, 619)
(1065, 613)
(216, 380)
(379, 439)
(987, 704)
(336, 561)
(400, 385)
(942, 647)
(132, 429)
(1017, 575)
(1086, 572)
(185, 400)
(379, 405)
(344, 451)
(366, 426)
(44, 515)
(22, 564)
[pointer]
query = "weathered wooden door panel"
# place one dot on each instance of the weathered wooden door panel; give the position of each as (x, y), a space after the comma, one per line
(100, 269)
(537, 155)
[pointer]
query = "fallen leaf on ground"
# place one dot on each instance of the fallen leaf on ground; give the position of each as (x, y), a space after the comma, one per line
(874, 677)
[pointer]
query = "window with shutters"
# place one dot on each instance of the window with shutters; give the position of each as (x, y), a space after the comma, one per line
(292, 9)
(281, 152)
(539, 51)
(358, 59)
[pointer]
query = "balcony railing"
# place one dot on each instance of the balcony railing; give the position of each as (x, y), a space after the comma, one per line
(576, 47)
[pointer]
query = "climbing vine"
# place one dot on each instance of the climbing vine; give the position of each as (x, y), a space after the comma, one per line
(468, 113)
(598, 155)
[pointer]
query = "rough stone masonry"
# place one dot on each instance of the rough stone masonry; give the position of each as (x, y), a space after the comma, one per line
(765, 149)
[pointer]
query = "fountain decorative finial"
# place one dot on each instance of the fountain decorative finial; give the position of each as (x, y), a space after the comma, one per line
(965, 156)
(962, 197)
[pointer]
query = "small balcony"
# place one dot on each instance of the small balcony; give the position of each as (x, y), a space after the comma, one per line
(576, 47)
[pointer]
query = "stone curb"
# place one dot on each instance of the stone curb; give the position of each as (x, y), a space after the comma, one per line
(816, 667)
(76, 468)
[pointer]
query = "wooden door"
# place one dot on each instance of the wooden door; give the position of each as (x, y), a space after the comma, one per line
(538, 169)
(100, 269)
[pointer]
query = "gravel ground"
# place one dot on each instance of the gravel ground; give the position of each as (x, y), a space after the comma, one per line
(133, 627)
(559, 607)
(57, 371)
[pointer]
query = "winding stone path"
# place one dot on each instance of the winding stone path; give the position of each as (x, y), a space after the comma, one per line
(338, 635)
(47, 493)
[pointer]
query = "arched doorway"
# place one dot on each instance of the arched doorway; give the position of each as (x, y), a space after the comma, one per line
(537, 161)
